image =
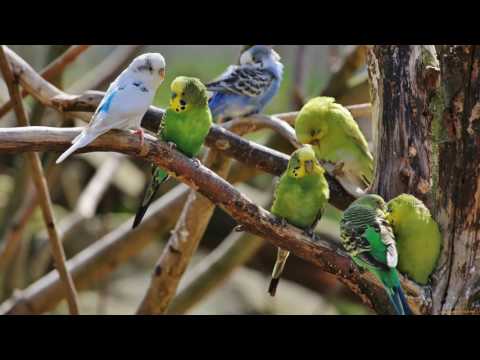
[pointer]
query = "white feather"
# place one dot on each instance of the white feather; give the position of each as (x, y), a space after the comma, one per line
(125, 102)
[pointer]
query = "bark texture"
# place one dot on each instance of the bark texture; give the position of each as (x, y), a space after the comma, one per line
(426, 110)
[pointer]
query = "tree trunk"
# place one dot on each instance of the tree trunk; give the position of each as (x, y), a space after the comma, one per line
(425, 112)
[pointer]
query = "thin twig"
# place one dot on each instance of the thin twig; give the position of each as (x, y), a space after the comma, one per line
(86, 206)
(53, 69)
(42, 189)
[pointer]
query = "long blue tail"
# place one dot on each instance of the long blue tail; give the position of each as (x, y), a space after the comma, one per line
(400, 302)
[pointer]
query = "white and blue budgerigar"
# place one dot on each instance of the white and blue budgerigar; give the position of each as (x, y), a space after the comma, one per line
(245, 89)
(125, 102)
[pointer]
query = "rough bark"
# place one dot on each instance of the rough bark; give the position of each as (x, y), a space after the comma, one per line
(457, 203)
(428, 112)
(403, 79)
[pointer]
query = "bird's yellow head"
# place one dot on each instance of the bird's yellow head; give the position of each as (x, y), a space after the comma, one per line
(311, 125)
(303, 162)
(187, 93)
(401, 206)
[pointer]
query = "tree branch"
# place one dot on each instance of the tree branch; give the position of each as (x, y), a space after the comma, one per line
(53, 69)
(182, 244)
(42, 189)
(255, 219)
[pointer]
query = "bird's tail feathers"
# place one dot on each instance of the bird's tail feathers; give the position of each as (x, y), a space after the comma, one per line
(282, 256)
(83, 139)
(399, 301)
(148, 197)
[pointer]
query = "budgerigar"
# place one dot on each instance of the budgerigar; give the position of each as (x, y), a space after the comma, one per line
(369, 239)
(125, 102)
(338, 142)
(301, 195)
(418, 237)
(185, 125)
(247, 88)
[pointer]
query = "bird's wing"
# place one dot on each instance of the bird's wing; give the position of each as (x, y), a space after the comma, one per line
(243, 80)
(352, 130)
(367, 244)
(121, 104)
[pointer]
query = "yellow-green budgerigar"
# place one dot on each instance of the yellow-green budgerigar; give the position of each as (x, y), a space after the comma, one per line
(185, 125)
(418, 237)
(300, 197)
(338, 142)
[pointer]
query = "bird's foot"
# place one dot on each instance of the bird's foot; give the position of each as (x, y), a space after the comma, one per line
(141, 135)
(196, 162)
(171, 145)
(239, 228)
(282, 222)
(140, 132)
(338, 169)
(311, 234)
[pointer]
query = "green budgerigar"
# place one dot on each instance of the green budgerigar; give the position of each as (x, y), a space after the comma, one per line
(300, 197)
(185, 125)
(418, 237)
(338, 142)
(369, 239)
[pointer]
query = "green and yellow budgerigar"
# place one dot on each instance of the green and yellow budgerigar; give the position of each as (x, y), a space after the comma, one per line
(185, 125)
(369, 239)
(338, 142)
(300, 197)
(418, 237)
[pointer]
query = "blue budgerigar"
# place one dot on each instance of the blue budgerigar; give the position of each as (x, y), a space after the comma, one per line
(245, 89)
(125, 102)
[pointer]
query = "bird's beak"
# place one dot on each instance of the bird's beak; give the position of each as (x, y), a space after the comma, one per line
(309, 166)
(161, 73)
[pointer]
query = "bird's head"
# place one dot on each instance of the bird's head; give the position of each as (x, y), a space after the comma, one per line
(260, 55)
(303, 163)
(311, 124)
(372, 201)
(402, 205)
(149, 66)
(187, 93)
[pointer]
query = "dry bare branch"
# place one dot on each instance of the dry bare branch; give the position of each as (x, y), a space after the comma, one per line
(42, 189)
(52, 70)
(182, 244)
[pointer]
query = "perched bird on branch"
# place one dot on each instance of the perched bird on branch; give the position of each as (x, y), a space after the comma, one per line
(125, 102)
(418, 237)
(300, 198)
(338, 142)
(185, 125)
(245, 89)
(369, 239)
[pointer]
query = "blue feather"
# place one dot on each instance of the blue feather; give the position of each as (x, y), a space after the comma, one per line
(228, 104)
(107, 101)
